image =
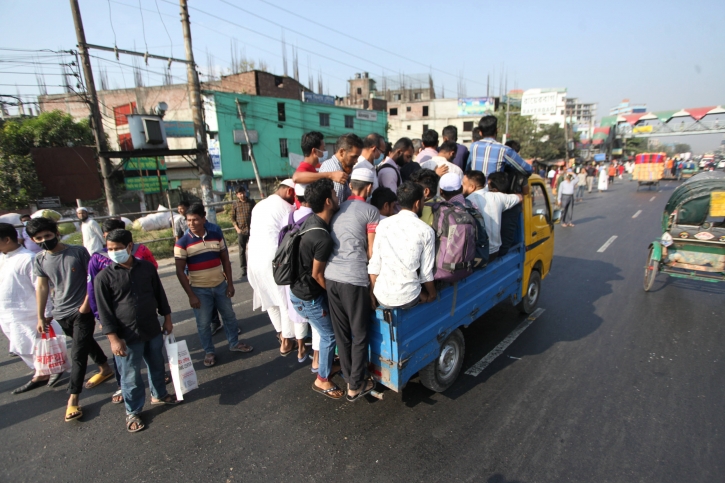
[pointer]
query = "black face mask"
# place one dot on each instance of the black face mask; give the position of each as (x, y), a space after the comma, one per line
(49, 244)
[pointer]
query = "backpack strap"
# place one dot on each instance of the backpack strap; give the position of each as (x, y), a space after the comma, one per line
(380, 167)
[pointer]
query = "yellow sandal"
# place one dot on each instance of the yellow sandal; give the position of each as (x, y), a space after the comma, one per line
(75, 411)
(97, 379)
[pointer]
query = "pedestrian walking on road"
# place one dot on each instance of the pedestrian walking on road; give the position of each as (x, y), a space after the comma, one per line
(91, 231)
(130, 297)
(581, 184)
(242, 218)
(565, 199)
(18, 307)
(209, 283)
(591, 171)
(65, 268)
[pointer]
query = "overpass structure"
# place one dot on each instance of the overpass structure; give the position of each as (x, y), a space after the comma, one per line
(699, 120)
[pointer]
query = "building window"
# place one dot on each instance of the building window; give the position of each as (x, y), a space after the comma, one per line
(324, 119)
(425, 128)
(359, 91)
(408, 127)
(417, 96)
(349, 122)
(283, 148)
(425, 110)
(407, 109)
(245, 153)
(281, 116)
(396, 97)
(393, 111)
(562, 113)
(467, 126)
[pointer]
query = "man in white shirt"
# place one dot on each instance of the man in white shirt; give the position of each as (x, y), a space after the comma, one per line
(491, 204)
(565, 199)
(446, 153)
(404, 254)
(92, 233)
(267, 216)
(372, 154)
(24, 239)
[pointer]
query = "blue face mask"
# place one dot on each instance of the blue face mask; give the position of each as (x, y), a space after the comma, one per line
(379, 159)
(119, 256)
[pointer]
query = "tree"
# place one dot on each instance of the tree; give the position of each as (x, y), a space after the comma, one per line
(682, 148)
(521, 128)
(19, 183)
(49, 129)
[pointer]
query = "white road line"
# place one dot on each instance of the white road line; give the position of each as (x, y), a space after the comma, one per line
(653, 198)
(606, 245)
(479, 366)
(636, 214)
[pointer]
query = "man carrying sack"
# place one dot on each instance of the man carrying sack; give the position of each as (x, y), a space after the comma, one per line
(129, 296)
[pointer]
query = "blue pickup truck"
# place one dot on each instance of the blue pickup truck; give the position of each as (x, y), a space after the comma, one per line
(427, 340)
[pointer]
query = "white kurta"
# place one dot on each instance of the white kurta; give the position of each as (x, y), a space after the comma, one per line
(92, 236)
(267, 216)
(18, 311)
(603, 183)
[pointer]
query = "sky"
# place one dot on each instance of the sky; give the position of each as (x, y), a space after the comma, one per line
(669, 55)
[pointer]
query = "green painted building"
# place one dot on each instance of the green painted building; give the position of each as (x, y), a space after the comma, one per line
(275, 127)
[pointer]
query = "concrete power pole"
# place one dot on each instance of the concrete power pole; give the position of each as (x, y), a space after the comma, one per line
(202, 158)
(114, 207)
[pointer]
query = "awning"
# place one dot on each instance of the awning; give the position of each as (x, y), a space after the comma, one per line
(699, 112)
(633, 118)
(608, 121)
(664, 116)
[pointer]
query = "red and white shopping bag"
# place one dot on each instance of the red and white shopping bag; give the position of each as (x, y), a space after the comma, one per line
(181, 366)
(50, 354)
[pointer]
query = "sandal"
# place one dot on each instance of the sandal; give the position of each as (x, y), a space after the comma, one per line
(363, 392)
(168, 399)
(241, 347)
(132, 419)
(31, 384)
(97, 379)
(72, 413)
(292, 349)
(328, 392)
(117, 397)
(209, 360)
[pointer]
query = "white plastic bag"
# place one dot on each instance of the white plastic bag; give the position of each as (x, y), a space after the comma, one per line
(50, 354)
(182, 369)
(154, 221)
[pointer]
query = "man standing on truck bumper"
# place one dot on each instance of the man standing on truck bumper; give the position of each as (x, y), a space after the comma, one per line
(404, 254)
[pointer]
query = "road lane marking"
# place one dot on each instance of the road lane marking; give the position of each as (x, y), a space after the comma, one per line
(636, 214)
(479, 366)
(653, 198)
(606, 245)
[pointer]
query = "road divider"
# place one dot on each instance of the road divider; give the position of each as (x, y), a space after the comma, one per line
(606, 244)
(637, 214)
(479, 366)
(653, 198)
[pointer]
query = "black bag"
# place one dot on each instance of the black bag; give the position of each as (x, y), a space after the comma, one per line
(284, 264)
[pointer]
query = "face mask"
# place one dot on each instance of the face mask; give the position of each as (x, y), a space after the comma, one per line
(323, 155)
(119, 256)
(49, 244)
(379, 159)
(25, 223)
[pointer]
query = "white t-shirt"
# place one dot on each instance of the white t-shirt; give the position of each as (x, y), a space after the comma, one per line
(436, 161)
(491, 205)
(551, 174)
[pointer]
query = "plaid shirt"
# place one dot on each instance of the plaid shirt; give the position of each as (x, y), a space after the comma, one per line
(242, 214)
(489, 156)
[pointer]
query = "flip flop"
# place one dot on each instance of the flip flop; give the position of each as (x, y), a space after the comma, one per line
(131, 419)
(363, 392)
(97, 379)
(209, 360)
(304, 358)
(115, 396)
(285, 354)
(241, 347)
(73, 409)
(166, 400)
(327, 392)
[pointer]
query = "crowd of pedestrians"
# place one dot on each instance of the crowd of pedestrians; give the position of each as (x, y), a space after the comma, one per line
(363, 228)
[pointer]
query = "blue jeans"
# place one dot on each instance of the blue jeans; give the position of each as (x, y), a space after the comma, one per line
(214, 298)
(318, 314)
(129, 368)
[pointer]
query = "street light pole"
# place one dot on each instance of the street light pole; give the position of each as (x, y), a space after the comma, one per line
(203, 161)
(96, 124)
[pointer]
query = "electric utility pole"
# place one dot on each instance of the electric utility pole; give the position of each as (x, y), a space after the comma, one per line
(251, 151)
(202, 158)
(96, 124)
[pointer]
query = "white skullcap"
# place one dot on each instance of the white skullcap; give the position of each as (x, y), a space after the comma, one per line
(450, 182)
(363, 174)
(300, 189)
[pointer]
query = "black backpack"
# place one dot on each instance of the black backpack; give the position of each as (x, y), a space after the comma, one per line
(284, 265)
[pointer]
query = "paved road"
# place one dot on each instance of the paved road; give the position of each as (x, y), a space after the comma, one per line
(608, 384)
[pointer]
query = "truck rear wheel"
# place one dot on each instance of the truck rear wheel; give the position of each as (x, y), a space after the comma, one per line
(440, 374)
(531, 297)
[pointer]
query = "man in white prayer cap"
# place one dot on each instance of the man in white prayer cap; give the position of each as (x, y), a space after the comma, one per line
(92, 233)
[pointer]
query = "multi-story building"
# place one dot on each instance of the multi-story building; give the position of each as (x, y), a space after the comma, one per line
(363, 94)
(625, 108)
(545, 106)
(581, 117)
(275, 127)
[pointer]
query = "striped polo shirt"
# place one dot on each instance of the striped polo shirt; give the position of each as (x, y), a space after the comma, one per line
(203, 256)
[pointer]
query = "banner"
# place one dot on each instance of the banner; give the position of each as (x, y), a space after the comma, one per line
(476, 106)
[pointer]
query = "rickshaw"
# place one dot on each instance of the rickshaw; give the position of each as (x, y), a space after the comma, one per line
(649, 169)
(692, 245)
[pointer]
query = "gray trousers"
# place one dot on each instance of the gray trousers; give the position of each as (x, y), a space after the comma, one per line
(567, 208)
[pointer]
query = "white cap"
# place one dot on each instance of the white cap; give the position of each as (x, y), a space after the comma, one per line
(288, 182)
(450, 182)
(82, 208)
(300, 189)
(363, 174)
